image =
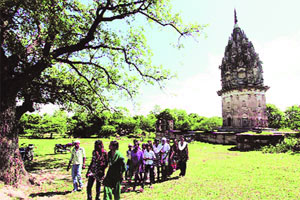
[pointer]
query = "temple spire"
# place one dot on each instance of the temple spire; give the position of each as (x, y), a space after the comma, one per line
(235, 17)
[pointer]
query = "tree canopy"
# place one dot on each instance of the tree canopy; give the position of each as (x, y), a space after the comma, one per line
(73, 52)
(69, 51)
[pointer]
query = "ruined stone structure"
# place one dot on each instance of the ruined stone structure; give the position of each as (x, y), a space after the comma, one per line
(243, 89)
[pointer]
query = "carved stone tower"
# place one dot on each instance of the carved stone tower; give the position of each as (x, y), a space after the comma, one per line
(243, 90)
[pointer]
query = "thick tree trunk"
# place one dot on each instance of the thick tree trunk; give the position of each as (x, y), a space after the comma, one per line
(12, 169)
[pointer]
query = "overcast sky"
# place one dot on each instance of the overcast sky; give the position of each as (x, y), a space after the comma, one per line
(273, 26)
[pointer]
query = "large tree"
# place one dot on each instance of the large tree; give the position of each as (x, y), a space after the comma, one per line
(64, 52)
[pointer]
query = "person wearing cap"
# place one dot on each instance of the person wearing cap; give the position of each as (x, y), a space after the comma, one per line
(78, 163)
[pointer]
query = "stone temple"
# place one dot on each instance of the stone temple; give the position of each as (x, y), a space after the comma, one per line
(243, 90)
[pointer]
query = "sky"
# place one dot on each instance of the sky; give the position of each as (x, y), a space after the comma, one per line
(272, 26)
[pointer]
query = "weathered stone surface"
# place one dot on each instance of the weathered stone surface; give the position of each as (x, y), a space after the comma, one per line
(250, 142)
(243, 89)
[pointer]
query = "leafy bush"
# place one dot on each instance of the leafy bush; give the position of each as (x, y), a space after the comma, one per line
(289, 144)
(210, 124)
(107, 130)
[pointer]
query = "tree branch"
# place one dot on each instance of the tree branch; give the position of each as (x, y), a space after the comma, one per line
(163, 24)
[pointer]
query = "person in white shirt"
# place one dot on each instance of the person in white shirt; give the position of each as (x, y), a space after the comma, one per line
(164, 149)
(183, 155)
(149, 158)
(156, 163)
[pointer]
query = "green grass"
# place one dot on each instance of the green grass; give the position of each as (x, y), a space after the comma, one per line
(213, 172)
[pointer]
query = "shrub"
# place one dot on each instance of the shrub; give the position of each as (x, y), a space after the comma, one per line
(289, 144)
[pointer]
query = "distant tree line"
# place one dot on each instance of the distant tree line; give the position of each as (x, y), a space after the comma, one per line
(108, 123)
(84, 124)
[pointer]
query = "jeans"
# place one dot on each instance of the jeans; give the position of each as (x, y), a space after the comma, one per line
(76, 176)
(90, 186)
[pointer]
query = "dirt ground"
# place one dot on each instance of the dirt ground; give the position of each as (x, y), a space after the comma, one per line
(37, 180)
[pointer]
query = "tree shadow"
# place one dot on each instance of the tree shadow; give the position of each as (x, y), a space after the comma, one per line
(48, 194)
(241, 150)
(51, 163)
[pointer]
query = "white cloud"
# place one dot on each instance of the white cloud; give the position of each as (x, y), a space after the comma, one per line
(196, 94)
(281, 58)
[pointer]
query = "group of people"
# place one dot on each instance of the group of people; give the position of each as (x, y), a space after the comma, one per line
(96, 171)
(156, 157)
(141, 162)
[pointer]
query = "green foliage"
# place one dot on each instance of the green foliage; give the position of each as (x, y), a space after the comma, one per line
(195, 120)
(292, 115)
(81, 52)
(30, 125)
(210, 124)
(167, 114)
(146, 123)
(36, 126)
(182, 121)
(107, 130)
(289, 144)
(276, 117)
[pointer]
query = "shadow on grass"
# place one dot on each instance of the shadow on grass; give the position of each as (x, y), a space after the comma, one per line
(241, 150)
(51, 163)
(126, 185)
(233, 149)
(48, 194)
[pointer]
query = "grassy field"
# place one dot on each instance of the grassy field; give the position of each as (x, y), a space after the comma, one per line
(213, 172)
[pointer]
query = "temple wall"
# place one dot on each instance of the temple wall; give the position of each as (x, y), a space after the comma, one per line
(244, 109)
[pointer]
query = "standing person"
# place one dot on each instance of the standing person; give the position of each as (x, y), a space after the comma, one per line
(183, 155)
(78, 163)
(137, 165)
(156, 151)
(173, 157)
(128, 173)
(150, 144)
(96, 169)
(113, 178)
(144, 147)
(136, 142)
(149, 156)
(164, 151)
